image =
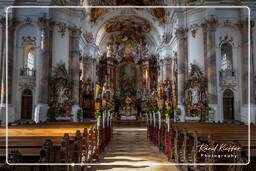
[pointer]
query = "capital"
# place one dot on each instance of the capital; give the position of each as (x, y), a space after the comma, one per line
(243, 25)
(44, 22)
(181, 33)
(210, 24)
(75, 32)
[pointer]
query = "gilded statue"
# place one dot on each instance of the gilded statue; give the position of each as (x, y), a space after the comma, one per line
(98, 93)
(96, 13)
(160, 14)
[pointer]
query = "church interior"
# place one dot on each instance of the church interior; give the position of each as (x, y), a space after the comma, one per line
(127, 85)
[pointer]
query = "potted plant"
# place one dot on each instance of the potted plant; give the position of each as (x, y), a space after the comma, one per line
(177, 114)
(79, 115)
(51, 114)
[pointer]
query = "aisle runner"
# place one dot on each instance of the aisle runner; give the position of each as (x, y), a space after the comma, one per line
(130, 146)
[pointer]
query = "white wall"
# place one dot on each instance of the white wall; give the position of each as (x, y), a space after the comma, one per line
(60, 47)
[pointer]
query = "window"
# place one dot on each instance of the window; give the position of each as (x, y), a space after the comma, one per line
(226, 57)
(29, 59)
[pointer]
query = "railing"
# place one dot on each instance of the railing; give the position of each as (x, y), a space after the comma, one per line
(228, 77)
(27, 72)
(227, 73)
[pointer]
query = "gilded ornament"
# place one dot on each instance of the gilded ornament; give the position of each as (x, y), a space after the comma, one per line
(160, 14)
(95, 14)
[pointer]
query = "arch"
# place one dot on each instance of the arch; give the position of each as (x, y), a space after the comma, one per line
(153, 36)
(26, 104)
(228, 104)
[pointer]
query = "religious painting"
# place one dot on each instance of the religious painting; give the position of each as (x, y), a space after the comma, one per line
(128, 81)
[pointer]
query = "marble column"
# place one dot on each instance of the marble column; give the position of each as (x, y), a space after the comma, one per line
(243, 25)
(43, 70)
(3, 74)
(6, 95)
(161, 70)
(182, 68)
(75, 68)
(146, 76)
(211, 65)
(168, 68)
(244, 60)
(2, 62)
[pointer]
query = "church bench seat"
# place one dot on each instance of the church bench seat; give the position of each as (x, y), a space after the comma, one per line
(72, 145)
(25, 152)
(185, 136)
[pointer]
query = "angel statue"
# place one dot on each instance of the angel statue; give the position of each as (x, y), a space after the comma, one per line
(61, 95)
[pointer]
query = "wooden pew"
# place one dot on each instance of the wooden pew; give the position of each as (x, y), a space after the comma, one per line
(185, 138)
(30, 145)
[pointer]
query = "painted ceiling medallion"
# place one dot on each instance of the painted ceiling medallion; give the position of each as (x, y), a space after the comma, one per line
(128, 24)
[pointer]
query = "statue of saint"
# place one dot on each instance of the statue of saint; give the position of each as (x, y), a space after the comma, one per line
(61, 95)
(194, 95)
(128, 102)
(225, 63)
(98, 92)
(110, 50)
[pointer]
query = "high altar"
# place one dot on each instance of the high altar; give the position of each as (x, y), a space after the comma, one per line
(127, 72)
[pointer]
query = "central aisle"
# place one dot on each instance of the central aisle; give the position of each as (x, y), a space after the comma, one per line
(129, 146)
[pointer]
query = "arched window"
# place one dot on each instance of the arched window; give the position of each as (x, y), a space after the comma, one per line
(226, 57)
(29, 59)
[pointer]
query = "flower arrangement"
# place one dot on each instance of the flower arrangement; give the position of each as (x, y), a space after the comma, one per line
(169, 113)
(97, 114)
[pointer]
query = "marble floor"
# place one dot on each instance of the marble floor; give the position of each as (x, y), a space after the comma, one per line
(129, 150)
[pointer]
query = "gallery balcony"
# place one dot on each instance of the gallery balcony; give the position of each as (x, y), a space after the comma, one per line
(27, 72)
(228, 78)
(27, 78)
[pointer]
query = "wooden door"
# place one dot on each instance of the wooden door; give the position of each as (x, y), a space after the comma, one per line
(26, 104)
(228, 104)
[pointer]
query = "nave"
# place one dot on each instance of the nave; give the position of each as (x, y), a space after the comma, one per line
(131, 150)
(131, 145)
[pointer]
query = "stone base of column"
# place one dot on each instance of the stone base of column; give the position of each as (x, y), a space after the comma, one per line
(182, 115)
(245, 113)
(11, 114)
(216, 114)
(41, 112)
(74, 111)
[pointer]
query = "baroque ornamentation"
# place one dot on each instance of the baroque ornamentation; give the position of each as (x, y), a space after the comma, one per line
(181, 33)
(166, 38)
(89, 37)
(128, 23)
(127, 43)
(28, 20)
(62, 29)
(60, 96)
(28, 39)
(210, 24)
(43, 21)
(195, 93)
(95, 14)
(226, 39)
(194, 29)
(160, 14)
